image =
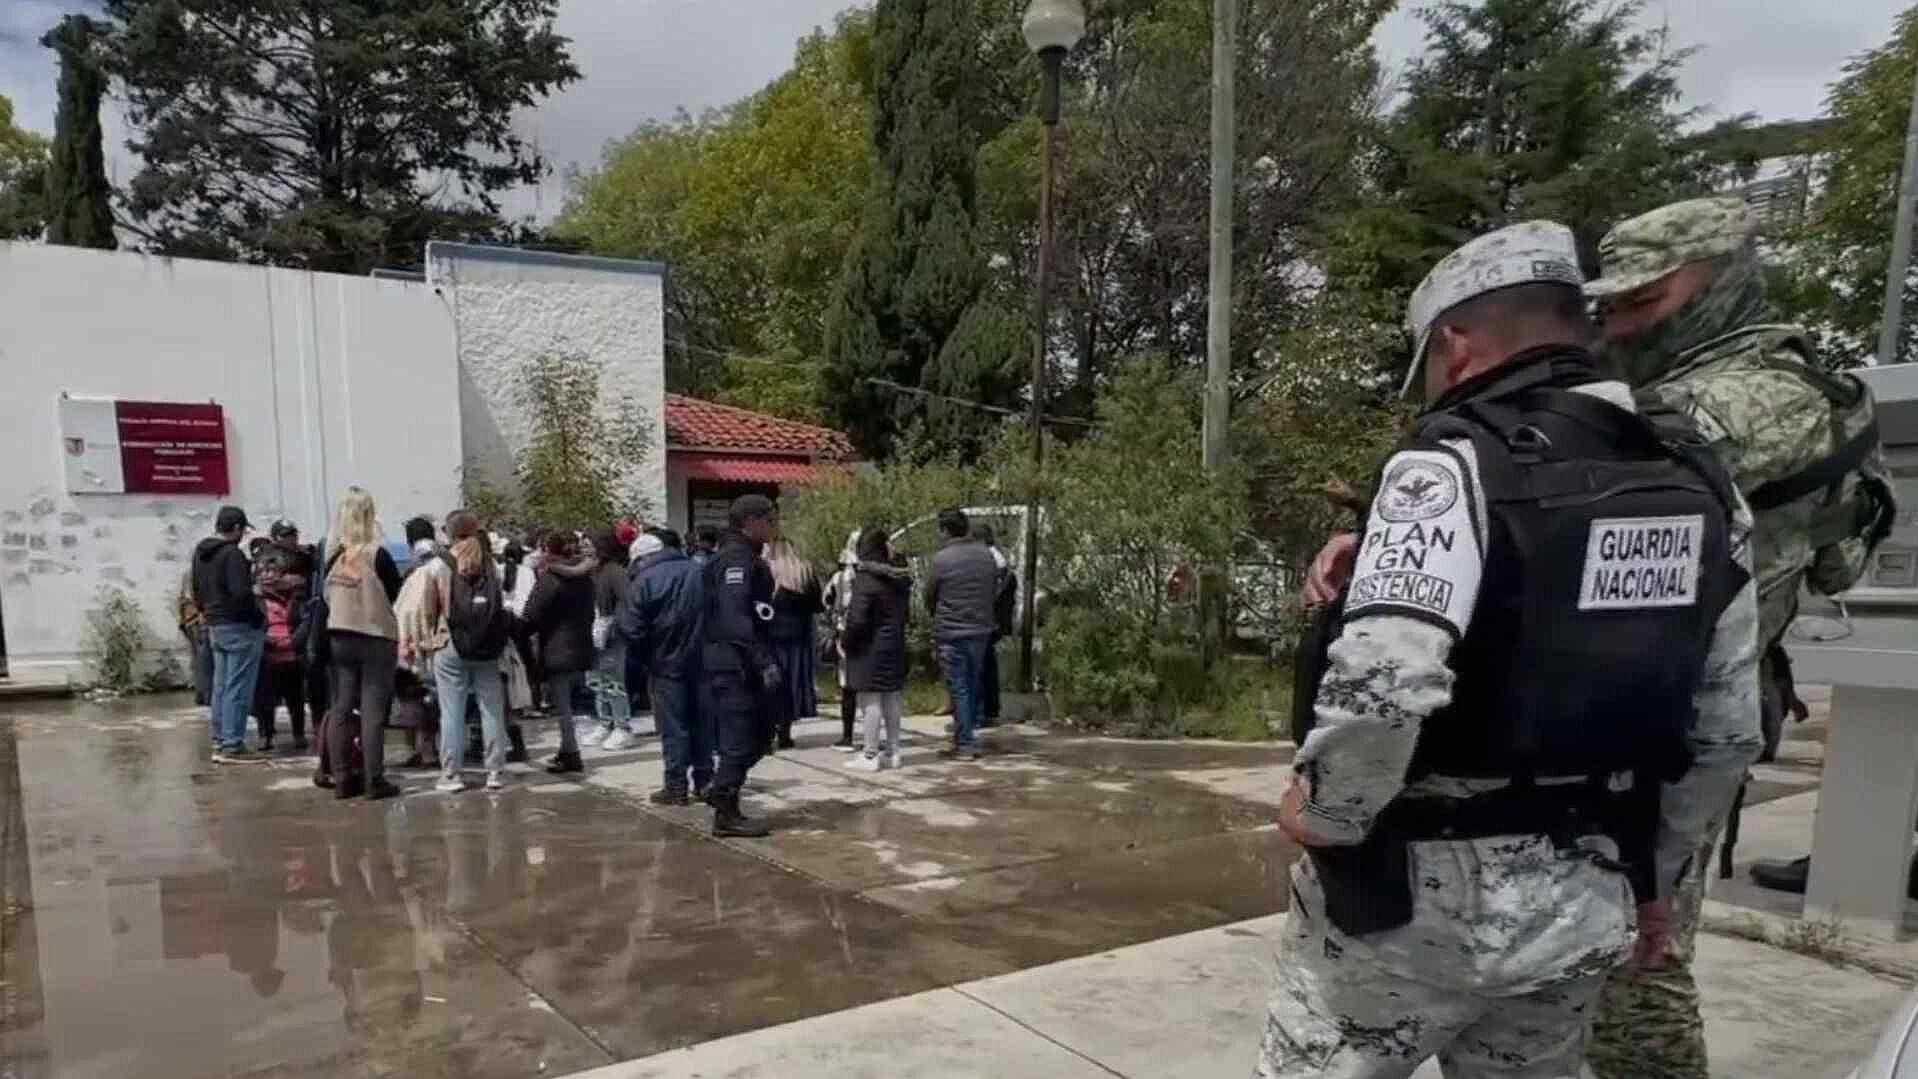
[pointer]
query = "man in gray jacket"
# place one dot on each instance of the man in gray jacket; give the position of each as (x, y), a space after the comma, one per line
(960, 594)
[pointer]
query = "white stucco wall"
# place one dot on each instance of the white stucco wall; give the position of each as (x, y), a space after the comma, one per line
(326, 381)
(510, 306)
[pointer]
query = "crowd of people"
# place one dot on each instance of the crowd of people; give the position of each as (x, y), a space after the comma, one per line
(719, 639)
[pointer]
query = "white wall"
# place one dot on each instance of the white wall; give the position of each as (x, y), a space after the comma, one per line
(679, 510)
(326, 380)
(513, 305)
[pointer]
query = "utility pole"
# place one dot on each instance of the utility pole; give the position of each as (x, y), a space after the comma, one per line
(1218, 325)
(1900, 265)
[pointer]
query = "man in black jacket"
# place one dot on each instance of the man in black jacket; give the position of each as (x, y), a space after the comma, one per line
(741, 674)
(663, 620)
(223, 587)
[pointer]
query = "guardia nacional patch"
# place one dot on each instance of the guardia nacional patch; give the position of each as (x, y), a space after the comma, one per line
(1634, 563)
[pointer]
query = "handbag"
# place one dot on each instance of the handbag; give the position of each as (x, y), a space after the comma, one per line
(519, 687)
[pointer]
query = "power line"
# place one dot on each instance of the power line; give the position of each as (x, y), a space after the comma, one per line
(883, 383)
(980, 405)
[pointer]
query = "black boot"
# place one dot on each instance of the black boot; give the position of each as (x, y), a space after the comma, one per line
(1786, 876)
(729, 821)
(1795, 875)
(566, 762)
(667, 796)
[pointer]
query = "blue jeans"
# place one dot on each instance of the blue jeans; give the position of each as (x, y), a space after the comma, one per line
(611, 703)
(965, 662)
(236, 668)
(685, 732)
(455, 678)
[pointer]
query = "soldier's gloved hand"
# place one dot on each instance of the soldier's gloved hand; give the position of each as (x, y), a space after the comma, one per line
(1654, 948)
(1331, 569)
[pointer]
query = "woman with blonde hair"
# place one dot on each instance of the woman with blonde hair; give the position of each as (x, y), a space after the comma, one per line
(796, 602)
(362, 639)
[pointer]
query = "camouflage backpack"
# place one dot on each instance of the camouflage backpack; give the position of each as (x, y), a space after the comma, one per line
(1854, 507)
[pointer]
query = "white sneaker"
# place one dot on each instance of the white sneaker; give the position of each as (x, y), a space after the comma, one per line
(496, 781)
(450, 785)
(595, 736)
(863, 763)
(893, 760)
(619, 739)
(846, 747)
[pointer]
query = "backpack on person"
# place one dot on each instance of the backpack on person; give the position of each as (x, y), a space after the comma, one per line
(309, 637)
(281, 648)
(477, 622)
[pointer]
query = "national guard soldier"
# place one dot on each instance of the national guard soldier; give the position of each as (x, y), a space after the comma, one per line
(1686, 321)
(741, 673)
(1542, 691)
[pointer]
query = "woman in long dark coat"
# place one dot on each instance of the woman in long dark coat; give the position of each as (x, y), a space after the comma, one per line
(796, 603)
(876, 648)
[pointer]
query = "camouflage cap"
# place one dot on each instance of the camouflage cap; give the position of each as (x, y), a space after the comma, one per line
(1522, 254)
(1647, 247)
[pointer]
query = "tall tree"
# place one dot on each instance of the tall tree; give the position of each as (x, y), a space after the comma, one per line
(914, 270)
(1134, 191)
(753, 206)
(334, 136)
(79, 198)
(23, 172)
(1838, 279)
(1521, 109)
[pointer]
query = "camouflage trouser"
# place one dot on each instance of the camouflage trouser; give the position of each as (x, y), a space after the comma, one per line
(1648, 1022)
(1496, 975)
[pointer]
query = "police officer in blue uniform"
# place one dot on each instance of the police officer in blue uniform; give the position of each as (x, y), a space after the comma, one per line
(741, 673)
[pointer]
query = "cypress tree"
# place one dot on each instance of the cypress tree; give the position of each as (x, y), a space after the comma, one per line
(914, 268)
(79, 199)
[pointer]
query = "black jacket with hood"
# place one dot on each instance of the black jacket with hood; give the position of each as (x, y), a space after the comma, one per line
(223, 584)
(560, 611)
(875, 639)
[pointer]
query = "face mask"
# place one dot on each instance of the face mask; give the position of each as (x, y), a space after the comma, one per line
(1735, 298)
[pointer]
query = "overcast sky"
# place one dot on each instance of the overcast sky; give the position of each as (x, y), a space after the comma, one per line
(645, 58)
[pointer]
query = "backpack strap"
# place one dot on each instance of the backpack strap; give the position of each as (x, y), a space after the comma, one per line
(1827, 471)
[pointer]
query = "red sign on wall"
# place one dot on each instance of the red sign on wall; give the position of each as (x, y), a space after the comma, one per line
(169, 448)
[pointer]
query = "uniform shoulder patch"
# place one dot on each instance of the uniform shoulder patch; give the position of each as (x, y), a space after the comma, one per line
(1633, 563)
(1417, 489)
(735, 575)
(1420, 554)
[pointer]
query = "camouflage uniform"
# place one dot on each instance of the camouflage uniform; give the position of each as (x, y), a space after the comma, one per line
(1722, 361)
(1511, 939)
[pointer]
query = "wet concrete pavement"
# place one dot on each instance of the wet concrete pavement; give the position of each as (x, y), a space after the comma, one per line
(167, 917)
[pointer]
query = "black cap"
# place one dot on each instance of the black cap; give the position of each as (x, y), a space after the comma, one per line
(750, 508)
(283, 529)
(230, 518)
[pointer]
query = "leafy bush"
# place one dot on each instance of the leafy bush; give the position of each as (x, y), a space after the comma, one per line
(116, 641)
(1132, 520)
(580, 469)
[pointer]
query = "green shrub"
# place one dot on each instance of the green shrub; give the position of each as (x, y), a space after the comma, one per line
(116, 641)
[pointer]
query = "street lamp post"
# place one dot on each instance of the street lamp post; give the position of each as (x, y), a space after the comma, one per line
(1052, 28)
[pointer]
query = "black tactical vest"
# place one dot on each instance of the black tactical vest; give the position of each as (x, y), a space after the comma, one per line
(1607, 566)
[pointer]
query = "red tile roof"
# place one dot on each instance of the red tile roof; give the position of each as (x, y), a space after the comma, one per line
(744, 468)
(703, 425)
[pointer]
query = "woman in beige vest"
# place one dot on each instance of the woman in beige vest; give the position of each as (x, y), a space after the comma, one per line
(362, 642)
